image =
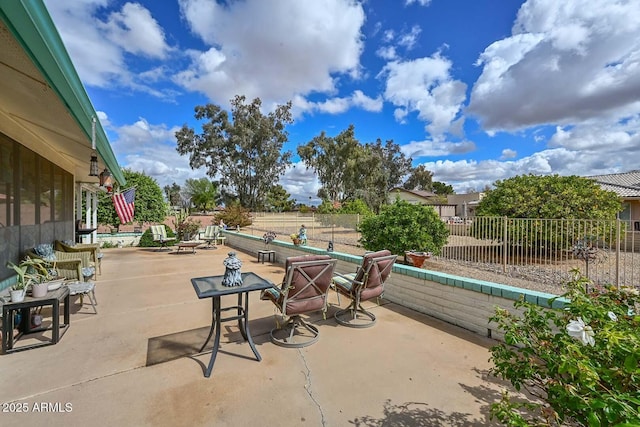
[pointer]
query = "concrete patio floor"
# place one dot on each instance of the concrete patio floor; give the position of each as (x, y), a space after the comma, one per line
(135, 363)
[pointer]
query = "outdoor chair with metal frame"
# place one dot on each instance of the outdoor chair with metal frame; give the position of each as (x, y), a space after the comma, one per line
(365, 284)
(159, 233)
(210, 235)
(304, 290)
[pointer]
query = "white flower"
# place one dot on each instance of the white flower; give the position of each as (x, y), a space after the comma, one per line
(612, 316)
(630, 291)
(578, 329)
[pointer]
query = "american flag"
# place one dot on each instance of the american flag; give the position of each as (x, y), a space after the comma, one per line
(124, 204)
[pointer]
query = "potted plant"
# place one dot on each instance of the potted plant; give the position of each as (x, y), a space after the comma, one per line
(296, 238)
(34, 273)
(185, 227)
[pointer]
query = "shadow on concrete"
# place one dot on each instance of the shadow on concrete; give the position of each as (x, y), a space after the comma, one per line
(414, 414)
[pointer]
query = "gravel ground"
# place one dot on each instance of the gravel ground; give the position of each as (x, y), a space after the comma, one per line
(533, 278)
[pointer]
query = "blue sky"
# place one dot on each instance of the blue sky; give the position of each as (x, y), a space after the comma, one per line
(476, 90)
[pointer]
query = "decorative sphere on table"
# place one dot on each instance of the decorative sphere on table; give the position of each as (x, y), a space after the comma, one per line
(232, 276)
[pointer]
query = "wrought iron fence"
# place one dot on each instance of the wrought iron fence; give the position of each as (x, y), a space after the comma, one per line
(605, 251)
(608, 252)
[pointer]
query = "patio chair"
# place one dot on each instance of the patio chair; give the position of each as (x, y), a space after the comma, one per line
(210, 235)
(68, 265)
(365, 284)
(304, 290)
(159, 233)
(94, 251)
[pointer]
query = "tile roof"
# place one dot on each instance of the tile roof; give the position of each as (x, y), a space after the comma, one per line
(625, 184)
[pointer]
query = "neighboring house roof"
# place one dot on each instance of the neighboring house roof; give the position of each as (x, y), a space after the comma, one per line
(420, 193)
(43, 100)
(625, 185)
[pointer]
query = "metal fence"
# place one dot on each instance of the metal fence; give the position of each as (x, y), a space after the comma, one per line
(339, 229)
(608, 252)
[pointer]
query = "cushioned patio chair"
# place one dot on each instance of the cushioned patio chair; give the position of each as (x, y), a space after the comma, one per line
(304, 290)
(76, 267)
(365, 284)
(159, 233)
(93, 248)
(68, 265)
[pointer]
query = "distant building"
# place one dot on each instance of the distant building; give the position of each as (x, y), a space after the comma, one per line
(421, 197)
(627, 186)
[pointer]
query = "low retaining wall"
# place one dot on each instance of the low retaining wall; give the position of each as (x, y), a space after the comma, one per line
(462, 301)
(119, 239)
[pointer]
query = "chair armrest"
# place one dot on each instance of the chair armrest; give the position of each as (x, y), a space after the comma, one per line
(351, 277)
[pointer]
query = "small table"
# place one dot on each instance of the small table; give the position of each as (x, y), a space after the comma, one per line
(268, 254)
(53, 298)
(185, 245)
(211, 287)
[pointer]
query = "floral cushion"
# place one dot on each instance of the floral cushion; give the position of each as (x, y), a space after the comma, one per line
(88, 271)
(45, 251)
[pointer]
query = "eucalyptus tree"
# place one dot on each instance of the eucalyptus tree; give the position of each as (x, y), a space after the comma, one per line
(420, 178)
(246, 151)
(172, 192)
(349, 170)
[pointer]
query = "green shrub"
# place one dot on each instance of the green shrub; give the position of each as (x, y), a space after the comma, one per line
(401, 227)
(146, 240)
(581, 363)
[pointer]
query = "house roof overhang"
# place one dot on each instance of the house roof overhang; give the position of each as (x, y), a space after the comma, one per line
(44, 104)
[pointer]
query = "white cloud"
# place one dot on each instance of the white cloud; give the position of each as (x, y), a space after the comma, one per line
(301, 183)
(358, 99)
(508, 153)
(416, 149)
(387, 52)
(134, 30)
(566, 63)
(420, 2)
(424, 85)
(151, 148)
(98, 48)
(252, 50)
(408, 40)
(465, 174)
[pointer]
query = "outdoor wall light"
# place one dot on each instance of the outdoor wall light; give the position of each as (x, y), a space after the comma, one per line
(93, 165)
(105, 178)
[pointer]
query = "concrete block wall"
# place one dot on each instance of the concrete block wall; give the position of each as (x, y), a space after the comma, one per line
(465, 302)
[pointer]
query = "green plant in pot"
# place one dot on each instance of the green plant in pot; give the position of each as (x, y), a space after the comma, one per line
(32, 272)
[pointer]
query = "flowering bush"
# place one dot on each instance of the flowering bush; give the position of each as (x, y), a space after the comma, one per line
(580, 364)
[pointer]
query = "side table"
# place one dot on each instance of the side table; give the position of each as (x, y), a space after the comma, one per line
(211, 287)
(268, 254)
(9, 309)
